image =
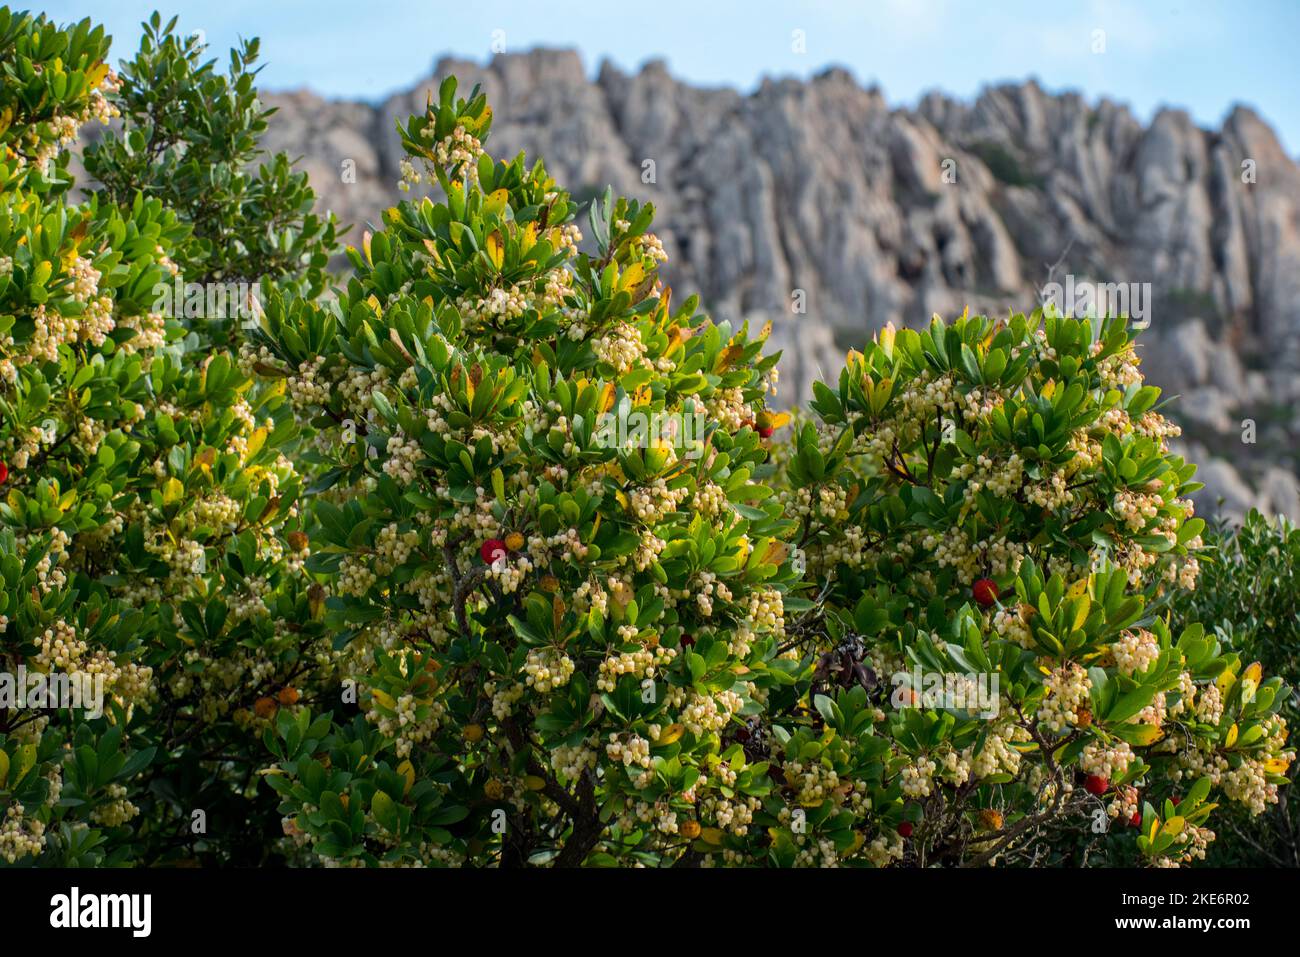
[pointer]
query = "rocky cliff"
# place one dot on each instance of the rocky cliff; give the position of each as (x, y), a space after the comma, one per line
(817, 205)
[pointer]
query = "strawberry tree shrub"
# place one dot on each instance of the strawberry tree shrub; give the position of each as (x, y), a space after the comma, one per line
(149, 543)
(555, 570)
(71, 331)
(993, 529)
(190, 135)
(1248, 593)
(246, 638)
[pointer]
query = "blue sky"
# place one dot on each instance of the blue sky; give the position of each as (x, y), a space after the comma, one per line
(1202, 55)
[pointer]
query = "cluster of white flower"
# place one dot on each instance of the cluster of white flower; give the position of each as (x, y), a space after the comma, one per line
(356, 576)
(917, 777)
(620, 347)
(998, 754)
(710, 499)
(952, 549)
(1109, 762)
(306, 386)
(510, 572)
(1066, 697)
(1155, 426)
(999, 479)
(1123, 804)
(393, 547)
(1248, 784)
(459, 149)
(884, 849)
(20, 836)
(117, 811)
(405, 726)
(1135, 651)
(641, 664)
(702, 714)
(1209, 704)
(547, 669)
(570, 761)
(1011, 624)
(403, 456)
(1052, 493)
(650, 503)
(729, 409)
(590, 596)
(504, 699)
(499, 303)
(766, 612)
(1120, 370)
(708, 585)
(1136, 509)
(150, 331)
(635, 752)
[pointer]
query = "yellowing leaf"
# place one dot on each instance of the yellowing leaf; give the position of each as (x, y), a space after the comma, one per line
(1225, 681)
(1231, 739)
(1272, 766)
(383, 697)
(631, 278)
(406, 770)
(775, 553)
(711, 835)
(670, 734)
(534, 783)
(496, 201)
(173, 491)
(1174, 825)
(255, 443)
(495, 251)
(1146, 734)
(729, 357)
(1250, 682)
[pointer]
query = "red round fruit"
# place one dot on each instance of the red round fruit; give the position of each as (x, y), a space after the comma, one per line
(492, 549)
(905, 828)
(766, 431)
(1136, 819)
(4, 473)
(1096, 784)
(985, 591)
(688, 641)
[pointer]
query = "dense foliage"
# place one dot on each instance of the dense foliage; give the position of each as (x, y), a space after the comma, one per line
(1249, 594)
(149, 526)
(994, 504)
(559, 615)
(495, 555)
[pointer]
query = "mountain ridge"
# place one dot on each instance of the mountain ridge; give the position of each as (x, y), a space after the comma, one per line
(818, 194)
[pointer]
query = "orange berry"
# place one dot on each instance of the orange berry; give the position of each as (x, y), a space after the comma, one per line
(265, 707)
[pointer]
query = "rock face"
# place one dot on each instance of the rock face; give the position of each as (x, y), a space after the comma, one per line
(816, 205)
